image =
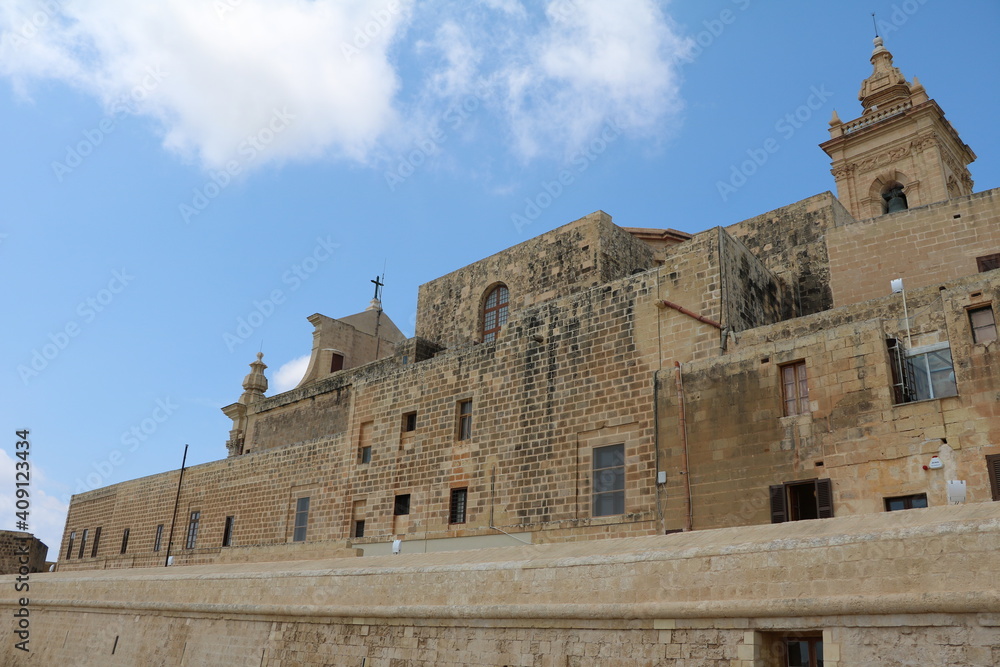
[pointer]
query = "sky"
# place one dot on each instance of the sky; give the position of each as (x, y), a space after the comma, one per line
(184, 183)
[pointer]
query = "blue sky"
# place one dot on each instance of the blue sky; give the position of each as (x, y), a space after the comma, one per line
(173, 170)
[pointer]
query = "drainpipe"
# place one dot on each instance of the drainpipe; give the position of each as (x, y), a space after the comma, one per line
(663, 303)
(688, 509)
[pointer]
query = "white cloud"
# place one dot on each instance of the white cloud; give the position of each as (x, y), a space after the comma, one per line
(213, 77)
(47, 514)
(290, 374)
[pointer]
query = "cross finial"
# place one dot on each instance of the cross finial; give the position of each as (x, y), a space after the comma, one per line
(378, 288)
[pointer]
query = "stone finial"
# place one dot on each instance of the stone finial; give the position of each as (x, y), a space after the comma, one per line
(835, 119)
(886, 83)
(255, 383)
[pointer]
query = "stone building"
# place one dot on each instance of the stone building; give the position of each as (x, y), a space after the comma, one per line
(21, 550)
(832, 359)
(599, 381)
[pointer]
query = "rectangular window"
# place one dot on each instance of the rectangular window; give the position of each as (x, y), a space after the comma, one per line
(988, 262)
(608, 480)
(409, 422)
(992, 469)
(456, 512)
(192, 534)
(906, 502)
(124, 541)
(365, 442)
(799, 501)
(922, 373)
(227, 532)
(97, 541)
(795, 389)
(301, 519)
(158, 538)
(359, 528)
(336, 362)
(803, 651)
(365, 455)
(402, 505)
(69, 548)
(83, 543)
(464, 420)
(984, 325)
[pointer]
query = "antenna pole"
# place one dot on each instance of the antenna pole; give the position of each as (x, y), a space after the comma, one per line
(170, 538)
(874, 23)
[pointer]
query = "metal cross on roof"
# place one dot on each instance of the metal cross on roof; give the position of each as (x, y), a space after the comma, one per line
(378, 287)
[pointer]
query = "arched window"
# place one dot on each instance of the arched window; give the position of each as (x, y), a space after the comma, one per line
(494, 312)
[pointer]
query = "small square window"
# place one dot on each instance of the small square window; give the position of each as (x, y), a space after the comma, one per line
(906, 502)
(365, 455)
(409, 422)
(988, 262)
(456, 511)
(402, 505)
(795, 388)
(464, 420)
(983, 323)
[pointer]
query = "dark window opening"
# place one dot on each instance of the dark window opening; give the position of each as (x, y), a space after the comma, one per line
(803, 652)
(992, 468)
(409, 422)
(158, 538)
(359, 528)
(124, 541)
(227, 532)
(69, 549)
(983, 323)
(456, 511)
(495, 312)
(799, 501)
(464, 420)
(83, 542)
(301, 519)
(988, 262)
(608, 481)
(402, 505)
(893, 199)
(97, 541)
(336, 362)
(192, 534)
(906, 502)
(795, 388)
(365, 455)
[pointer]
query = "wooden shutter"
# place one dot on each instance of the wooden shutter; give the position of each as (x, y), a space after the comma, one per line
(993, 470)
(824, 498)
(779, 505)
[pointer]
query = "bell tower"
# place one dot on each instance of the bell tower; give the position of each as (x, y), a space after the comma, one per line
(901, 152)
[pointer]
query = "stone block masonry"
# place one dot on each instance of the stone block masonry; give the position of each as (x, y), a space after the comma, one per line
(902, 588)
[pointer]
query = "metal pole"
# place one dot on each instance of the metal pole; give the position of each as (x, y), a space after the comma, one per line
(170, 538)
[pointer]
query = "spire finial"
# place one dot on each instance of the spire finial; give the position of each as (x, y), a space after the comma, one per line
(255, 383)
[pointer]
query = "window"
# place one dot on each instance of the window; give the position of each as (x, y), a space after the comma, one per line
(456, 512)
(992, 468)
(409, 422)
(359, 528)
(988, 262)
(984, 325)
(922, 373)
(158, 538)
(69, 549)
(803, 652)
(794, 388)
(609, 480)
(124, 540)
(97, 541)
(336, 362)
(494, 312)
(402, 505)
(799, 501)
(365, 455)
(906, 502)
(227, 533)
(464, 431)
(365, 442)
(301, 519)
(192, 534)
(83, 543)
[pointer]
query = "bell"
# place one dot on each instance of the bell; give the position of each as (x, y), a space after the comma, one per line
(895, 200)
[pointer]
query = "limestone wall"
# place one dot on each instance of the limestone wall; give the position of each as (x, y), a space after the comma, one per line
(19, 549)
(914, 588)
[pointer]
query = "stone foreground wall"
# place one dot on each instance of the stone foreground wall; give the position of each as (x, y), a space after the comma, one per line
(905, 588)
